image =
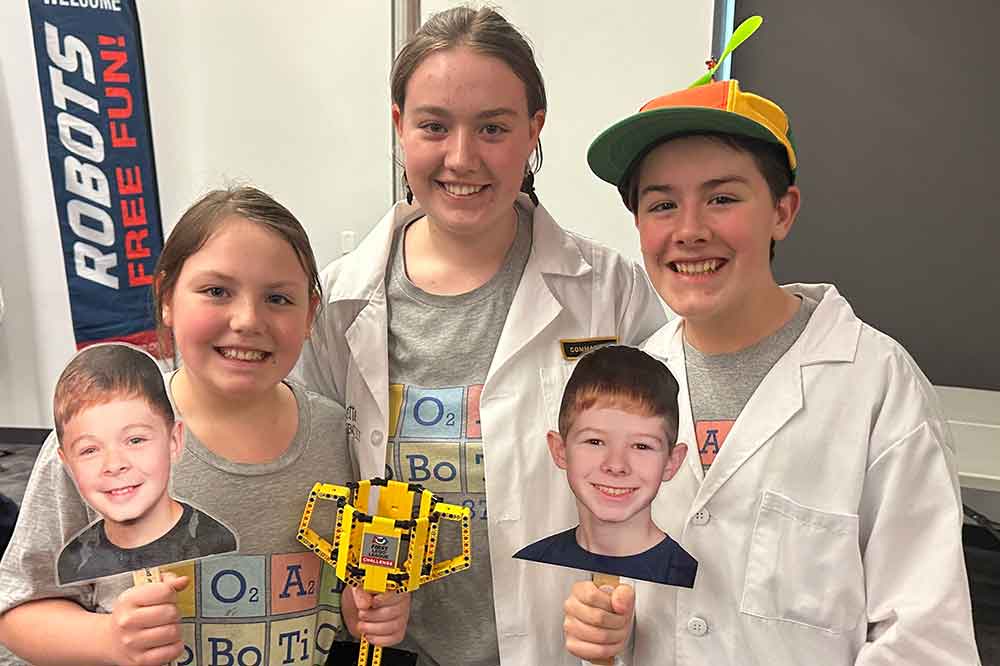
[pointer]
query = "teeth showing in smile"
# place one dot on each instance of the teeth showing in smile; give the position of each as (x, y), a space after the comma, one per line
(697, 267)
(243, 354)
(122, 491)
(462, 190)
(614, 492)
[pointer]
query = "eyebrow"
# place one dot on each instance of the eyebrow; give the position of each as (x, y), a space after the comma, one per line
(603, 433)
(445, 113)
(133, 426)
(589, 429)
(72, 446)
(122, 430)
(212, 275)
(707, 185)
(222, 277)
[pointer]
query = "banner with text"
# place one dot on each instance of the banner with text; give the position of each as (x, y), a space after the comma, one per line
(95, 105)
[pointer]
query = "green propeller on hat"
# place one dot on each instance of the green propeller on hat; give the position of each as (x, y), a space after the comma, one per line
(740, 35)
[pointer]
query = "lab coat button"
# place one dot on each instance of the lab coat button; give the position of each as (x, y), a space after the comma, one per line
(701, 517)
(376, 437)
(697, 626)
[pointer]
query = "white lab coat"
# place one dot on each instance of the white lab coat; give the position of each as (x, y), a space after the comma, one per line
(571, 288)
(828, 529)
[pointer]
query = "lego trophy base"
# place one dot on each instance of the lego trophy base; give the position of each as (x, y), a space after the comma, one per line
(345, 653)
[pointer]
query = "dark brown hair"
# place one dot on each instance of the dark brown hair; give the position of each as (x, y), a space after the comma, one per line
(622, 377)
(203, 219)
(485, 31)
(100, 374)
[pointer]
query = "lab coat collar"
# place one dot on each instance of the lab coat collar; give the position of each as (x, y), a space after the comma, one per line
(368, 262)
(817, 344)
(553, 251)
(831, 336)
(833, 331)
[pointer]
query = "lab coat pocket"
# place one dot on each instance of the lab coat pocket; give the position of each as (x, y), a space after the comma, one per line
(804, 566)
(553, 380)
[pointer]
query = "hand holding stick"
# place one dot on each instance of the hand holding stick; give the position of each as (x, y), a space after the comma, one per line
(599, 618)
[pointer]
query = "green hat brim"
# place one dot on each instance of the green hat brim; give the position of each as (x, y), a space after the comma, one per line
(614, 152)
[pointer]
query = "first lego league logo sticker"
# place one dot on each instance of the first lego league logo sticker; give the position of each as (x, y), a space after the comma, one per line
(379, 550)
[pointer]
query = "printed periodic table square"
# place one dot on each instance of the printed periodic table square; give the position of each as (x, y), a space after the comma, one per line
(473, 427)
(328, 595)
(434, 465)
(295, 582)
(233, 644)
(327, 624)
(190, 640)
(186, 597)
(233, 586)
(395, 405)
(433, 413)
(475, 468)
(292, 641)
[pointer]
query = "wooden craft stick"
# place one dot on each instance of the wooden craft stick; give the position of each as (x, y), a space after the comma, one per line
(600, 580)
(147, 575)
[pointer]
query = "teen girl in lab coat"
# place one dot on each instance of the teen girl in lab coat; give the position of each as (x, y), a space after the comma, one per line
(449, 332)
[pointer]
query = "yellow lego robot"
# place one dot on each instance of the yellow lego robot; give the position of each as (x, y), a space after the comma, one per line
(376, 519)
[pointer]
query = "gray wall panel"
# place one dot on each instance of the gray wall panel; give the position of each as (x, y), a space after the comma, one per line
(894, 110)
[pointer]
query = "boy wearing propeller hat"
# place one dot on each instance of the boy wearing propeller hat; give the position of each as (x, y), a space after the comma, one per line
(822, 503)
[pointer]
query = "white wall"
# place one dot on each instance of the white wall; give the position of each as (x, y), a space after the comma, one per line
(36, 336)
(293, 97)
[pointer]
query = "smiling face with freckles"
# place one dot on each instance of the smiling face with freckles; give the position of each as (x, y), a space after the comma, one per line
(706, 219)
(466, 135)
(615, 460)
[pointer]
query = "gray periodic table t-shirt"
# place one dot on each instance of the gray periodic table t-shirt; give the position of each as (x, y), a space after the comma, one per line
(440, 349)
(272, 602)
(721, 384)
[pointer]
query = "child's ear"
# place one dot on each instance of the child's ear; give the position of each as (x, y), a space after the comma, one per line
(62, 456)
(787, 210)
(557, 447)
(313, 307)
(176, 442)
(675, 460)
(165, 314)
(536, 123)
(397, 120)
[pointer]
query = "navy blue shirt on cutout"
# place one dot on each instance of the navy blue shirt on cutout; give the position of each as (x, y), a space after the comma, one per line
(666, 562)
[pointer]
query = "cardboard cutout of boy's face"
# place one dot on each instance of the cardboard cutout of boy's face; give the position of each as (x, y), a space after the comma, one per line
(119, 451)
(615, 461)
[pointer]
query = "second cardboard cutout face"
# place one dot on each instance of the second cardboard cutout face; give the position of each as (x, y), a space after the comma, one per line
(118, 441)
(617, 443)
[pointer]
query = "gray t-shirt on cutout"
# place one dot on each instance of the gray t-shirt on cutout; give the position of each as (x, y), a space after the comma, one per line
(440, 350)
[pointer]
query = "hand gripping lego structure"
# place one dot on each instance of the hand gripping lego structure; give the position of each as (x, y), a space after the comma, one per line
(375, 520)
